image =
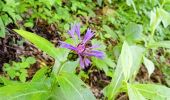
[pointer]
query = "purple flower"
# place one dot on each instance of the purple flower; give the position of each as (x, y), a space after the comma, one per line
(82, 49)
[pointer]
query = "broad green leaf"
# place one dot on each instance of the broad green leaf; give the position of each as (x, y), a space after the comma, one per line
(134, 94)
(153, 91)
(165, 17)
(136, 53)
(70, 87)
(110, 32)
(149, 65)
(69, 66)
(111, 90)
(155, 19)
(40, 75)
(40, 42)
(43, 44)
(125, 60)
(164, 44)
(133, 32)
(24, 91)
(62, 54)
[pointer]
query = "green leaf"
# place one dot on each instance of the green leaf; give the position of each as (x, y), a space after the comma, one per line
(69, 66)
(29, 24)
(99, 2)
(133, 32)
(165, 17)
(40, 42)
(23, 76)
(153, 91)
(134, 94)
(131, 2)
(24, 91)
(2, 28)
(6, 81)
(164, 44)
(40, 75)
(70, 87)
(110, 31)
(12, 73)
(136, 53)
(149, 65)
(30, 60)
(155, 19)
(104, 64)
(125, 61)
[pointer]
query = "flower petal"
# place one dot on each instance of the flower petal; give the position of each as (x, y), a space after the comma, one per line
(77, 30)
(95, 53)
(66, 45)
(89, 34)
(81, 62)
(87, 62)
(72, 31)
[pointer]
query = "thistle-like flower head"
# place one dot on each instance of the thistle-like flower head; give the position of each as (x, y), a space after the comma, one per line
(84, 52)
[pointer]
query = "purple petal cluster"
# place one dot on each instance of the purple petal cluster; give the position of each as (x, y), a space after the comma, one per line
(82, 49)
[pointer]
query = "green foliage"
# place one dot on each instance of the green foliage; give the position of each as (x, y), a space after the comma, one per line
(125, 34)
(133, 32)
(40, 42)
(25, 91)
(19, 69)
(66, 83)
(109, 32)
(152, 91)
(8, 14)
(149, 65)
(122, 73)
(70, 88)
(40, 75)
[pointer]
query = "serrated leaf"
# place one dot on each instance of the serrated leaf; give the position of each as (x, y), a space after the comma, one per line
(23, 76)
(149, 65)
(30, 60)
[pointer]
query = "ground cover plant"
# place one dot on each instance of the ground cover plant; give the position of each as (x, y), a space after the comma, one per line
(85, 50)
